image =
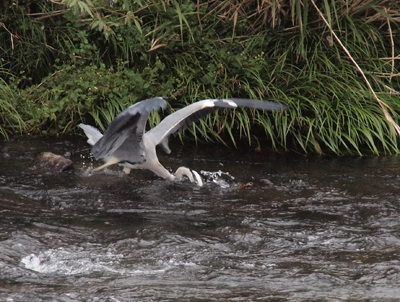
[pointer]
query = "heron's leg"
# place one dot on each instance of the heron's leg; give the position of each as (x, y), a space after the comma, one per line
(110, 162)
(126, 170)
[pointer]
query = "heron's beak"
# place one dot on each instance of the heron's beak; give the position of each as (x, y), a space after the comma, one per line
(197, 178)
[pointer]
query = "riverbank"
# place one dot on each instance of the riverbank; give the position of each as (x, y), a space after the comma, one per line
(75, 61)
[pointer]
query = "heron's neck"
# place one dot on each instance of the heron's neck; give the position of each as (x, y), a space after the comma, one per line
(183, 171)
(158, 169)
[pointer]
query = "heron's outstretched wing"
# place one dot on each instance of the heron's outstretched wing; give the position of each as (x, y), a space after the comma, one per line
(183, 118)
(129, 123)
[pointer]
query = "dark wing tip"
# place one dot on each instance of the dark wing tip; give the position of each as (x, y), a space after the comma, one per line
(257, 104)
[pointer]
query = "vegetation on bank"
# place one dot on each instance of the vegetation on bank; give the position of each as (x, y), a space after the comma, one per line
(334, 63)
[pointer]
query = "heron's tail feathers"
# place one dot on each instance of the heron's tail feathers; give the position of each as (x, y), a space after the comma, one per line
(92, 133)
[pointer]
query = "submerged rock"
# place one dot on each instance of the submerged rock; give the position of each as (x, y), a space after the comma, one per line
(53, 163)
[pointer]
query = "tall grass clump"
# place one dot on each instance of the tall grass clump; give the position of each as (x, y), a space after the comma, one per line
(334, 63)
(10, 119)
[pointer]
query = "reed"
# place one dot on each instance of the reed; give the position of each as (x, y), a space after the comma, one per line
(334, 63)
(10, 119)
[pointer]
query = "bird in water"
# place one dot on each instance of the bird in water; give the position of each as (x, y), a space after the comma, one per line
(127, 143)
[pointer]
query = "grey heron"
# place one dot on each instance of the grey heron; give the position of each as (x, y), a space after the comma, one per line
(126, 142)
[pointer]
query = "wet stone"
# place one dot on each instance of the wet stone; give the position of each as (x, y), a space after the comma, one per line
(53, 163)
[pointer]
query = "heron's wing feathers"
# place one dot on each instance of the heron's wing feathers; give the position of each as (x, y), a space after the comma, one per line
(250, 103)
(183, 118)
(129, 123)
(178, 127)
(93, 134)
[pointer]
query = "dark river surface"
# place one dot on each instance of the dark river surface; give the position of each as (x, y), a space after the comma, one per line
(305, 229)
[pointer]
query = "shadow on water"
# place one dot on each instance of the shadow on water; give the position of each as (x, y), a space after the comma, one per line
(265, 227)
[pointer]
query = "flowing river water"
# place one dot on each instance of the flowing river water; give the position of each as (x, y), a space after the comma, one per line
(264, 227)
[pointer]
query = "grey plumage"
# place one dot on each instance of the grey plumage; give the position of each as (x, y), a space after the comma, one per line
(125, 141)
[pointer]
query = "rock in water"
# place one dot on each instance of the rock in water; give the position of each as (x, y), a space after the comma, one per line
(54, 163)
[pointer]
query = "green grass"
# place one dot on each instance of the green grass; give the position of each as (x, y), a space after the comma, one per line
(82, 61)
(10, 119)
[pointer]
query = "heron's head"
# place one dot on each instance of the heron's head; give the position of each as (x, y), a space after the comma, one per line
(191, 174)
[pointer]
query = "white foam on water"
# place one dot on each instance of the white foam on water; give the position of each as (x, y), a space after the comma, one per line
(219, 177)
(70, 262)
(76, 261)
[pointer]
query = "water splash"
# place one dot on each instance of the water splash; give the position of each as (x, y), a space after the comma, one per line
(222, 179)
(63, 261)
